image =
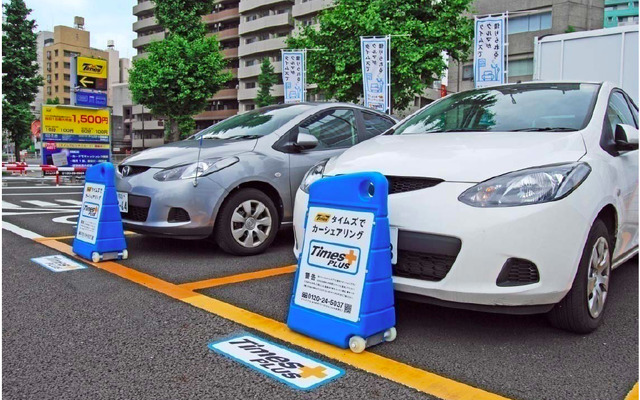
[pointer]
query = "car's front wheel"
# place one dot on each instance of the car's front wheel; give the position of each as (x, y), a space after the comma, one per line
(582, 308)
(247, 223)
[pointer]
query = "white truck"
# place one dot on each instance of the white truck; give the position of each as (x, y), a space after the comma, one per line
(609, 54)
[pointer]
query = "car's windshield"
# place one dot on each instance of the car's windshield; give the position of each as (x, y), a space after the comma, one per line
(253, 123)
(531, 107)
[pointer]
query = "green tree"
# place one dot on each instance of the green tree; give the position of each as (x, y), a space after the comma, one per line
(266, 80)
(416, 59)
(55, 100)
(20, 79)
(182, 71)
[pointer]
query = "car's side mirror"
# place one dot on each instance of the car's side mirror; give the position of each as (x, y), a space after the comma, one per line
(626, 137)
(305, 140)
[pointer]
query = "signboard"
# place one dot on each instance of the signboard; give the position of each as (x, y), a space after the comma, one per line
(81, 134)
(58, 263)
(375, 72)
(293, 75)
(91, 99)
(90, 211)
(287, 366)
(333, 262)
(91, 73)
(488, 60)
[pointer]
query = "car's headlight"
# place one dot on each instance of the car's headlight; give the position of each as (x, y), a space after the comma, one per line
(313, 175)
(528, 186)
(202, 168)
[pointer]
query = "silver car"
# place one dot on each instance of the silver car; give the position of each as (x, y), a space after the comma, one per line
(241, 190)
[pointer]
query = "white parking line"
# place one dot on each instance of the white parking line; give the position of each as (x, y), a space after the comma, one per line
(38, 194)
(41, 187)
(69, 201)
(20, 231)
(6, 204)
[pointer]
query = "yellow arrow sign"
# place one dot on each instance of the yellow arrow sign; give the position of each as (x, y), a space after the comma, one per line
(84, 81)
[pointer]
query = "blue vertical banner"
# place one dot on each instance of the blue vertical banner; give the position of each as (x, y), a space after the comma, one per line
(376, 72)
(489, 51)
(294, 75)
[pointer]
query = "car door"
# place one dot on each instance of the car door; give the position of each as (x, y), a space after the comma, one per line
(336, 130)
(621, 111)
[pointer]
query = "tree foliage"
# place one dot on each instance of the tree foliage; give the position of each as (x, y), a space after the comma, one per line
(182, 71)
(266, 80)
(432, 27)
(20, 78)
(54, 100)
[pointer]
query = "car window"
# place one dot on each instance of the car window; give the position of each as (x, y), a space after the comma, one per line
(553, 107)
(332, 128)
(618, 111)
(375, 124)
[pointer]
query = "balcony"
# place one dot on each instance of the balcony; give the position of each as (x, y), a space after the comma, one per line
(225, 15)
(145, 24)
(250, 94)
(230, 53)
(217, 114)
(142, 7)
(268, 22)
(234, 71)
(310, 7)
(248, 5)
(261, 46)
(254, 70)
(148, 142)
(145, 40)
(151, 125)
(226, 94)
(225, 34)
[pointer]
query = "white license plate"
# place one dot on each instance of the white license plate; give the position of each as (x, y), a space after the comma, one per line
(394, 244)
(123, 202)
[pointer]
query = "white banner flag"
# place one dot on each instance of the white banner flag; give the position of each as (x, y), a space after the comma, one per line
(375, 72)
(488, 60)
(293, 75)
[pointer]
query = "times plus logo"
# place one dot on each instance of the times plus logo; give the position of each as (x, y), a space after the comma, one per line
(334, 256)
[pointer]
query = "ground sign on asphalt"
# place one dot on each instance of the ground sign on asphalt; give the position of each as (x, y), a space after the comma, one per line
(58, 263)
(294, 369)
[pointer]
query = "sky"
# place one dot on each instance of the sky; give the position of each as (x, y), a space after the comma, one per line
(104, 19)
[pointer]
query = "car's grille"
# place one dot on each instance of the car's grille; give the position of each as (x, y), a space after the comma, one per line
(133, 169)
(178, 215)
(138, 208)
(400, 184)
(516, 272)
(425, 256)
(425, 266)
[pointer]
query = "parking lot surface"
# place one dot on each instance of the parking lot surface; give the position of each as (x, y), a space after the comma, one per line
(139, 328)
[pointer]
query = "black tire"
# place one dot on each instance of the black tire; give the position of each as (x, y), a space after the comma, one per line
(223, 229)
(572, 313)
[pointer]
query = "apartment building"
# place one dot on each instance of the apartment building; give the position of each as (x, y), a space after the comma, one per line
(620, 12)
(44, 37)
(527, 20)
(56, 65)
(248, 31)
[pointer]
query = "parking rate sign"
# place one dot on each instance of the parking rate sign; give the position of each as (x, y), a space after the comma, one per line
(375, 72)
(293, 75)
(488, 60)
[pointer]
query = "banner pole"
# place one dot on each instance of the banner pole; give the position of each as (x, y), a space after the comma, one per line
(389, 74)
(304, 75)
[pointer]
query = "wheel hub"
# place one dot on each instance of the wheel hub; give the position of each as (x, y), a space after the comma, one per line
(251, 223)
(598, 277)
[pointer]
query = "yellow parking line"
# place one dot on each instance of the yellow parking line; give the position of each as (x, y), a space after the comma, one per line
(395, 371)
(633, 394)
(128, 233)
(265, 273)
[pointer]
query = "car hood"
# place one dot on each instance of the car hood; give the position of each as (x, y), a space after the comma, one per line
(460, 157)
(186, 151)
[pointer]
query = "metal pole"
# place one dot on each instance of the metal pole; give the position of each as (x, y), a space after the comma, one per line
(304, 75)
(389, 74)
(74, 78)
(506, 46)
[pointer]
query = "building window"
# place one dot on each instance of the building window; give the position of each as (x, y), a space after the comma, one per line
(48, 55)
(277, 57)
(67, 77)
(56, 76)
(49, 90)
(249, 63)
(48, 78)
(67, 65)
(530, 23)
(56, 64)
(467, 72)
(55, 52)
(67, 89)
(263, 36)
(521, 67)
(249, 85)
(57, 89)
(48, 66)
(67, 100)
(249, 107)
(250, 40)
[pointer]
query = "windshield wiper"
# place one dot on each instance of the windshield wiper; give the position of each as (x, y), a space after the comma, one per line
(545, 129)
(244, 137)
(457, 130)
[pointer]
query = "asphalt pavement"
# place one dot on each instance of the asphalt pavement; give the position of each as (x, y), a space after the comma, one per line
(97, 333)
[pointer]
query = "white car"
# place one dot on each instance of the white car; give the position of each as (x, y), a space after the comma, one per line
(518, 198)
